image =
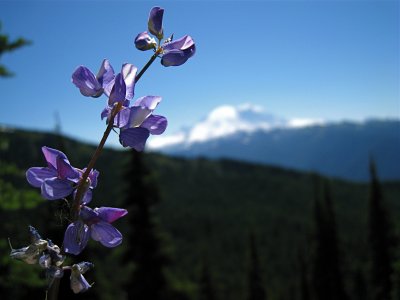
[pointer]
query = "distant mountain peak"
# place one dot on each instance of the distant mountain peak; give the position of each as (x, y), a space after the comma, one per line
(226, 120)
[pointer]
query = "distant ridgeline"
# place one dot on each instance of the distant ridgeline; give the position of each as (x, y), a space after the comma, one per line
(234, 229)
(334, 149)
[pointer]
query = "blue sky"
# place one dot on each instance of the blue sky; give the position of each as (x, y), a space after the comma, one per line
(328, 60)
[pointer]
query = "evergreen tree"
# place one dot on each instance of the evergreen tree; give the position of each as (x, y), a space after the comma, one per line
(206, 286)
(255, 284)
(327, 275)
(380, 240)
(304, 284)
(7, 46)
(147, 280)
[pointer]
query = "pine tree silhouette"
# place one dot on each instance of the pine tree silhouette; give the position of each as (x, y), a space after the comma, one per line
(381, 241)
(256, 289)
(327, 276)
(147, 280)
(206, 285)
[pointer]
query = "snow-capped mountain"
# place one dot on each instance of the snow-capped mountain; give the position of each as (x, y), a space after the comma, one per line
(339, 149)
(224, 121)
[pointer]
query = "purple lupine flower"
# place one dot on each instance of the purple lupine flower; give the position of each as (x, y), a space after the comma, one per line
(137, 122)
(91, 85)
(78, 282)
(144, 42)
(177, 52)
(94, 223)
(59, 178)
(56, 180)
(155, 22)
(142, 123)
(122, 87)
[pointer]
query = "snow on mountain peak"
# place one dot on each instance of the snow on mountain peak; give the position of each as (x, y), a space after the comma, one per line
(226, 120)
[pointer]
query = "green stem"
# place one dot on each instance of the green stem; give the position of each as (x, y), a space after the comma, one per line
(52, 292)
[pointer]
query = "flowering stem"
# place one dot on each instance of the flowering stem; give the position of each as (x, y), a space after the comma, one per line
(146, 66)
(81, 189)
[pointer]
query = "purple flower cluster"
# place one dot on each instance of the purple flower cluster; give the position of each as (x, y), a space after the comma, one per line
(58, 179)
(173, 53)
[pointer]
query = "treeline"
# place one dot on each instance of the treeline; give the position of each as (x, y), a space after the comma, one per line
(201, 229)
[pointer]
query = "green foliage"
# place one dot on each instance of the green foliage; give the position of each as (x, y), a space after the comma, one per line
(206, 207)
(8, 46)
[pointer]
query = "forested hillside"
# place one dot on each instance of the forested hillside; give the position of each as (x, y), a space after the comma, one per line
(201, 229)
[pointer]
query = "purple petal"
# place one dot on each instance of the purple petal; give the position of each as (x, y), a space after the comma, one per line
(144, 41)
(105, 74)
(134, 137)
(129, 73)
(122, 118)
(65, 170)
(155, 22)
(51, 155)
(106, 112)
(110, 214)
(87, 197)
(149, 102)
(87, 83)
(36, 175)
(55, 188)
(137, 115)
(88, 215)
(118, 91)
(155, 124)
(178, 52)
(76, 237)
(106, 234)
(184, 43)
(93, 178)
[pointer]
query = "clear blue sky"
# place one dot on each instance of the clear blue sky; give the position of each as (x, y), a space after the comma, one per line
(307, 59)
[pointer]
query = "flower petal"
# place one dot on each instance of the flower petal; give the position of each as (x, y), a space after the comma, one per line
(76, 237)
(149, 102)
(87, 83)
(51, 156)
(78, 283)
(178, 52)
(110, 214)
(65, 170)
(55, 188)
(137, 115)
(144, 41)
(93, 178)
(134, 137)
(105, 74)
(129, 74)
(118, 91)
(155, 22)
(106, 234)
(155, 124)
(88, 215)
(37, 175)
(122, 118)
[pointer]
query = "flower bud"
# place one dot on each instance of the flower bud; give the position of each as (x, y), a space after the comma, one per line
(155, 22)
(144, 41)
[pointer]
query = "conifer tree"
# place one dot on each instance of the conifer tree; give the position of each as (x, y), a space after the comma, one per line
(8, 46)
(147, 280)
(381, 241)
(206, 285)
(255, 283)
(327, 275)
